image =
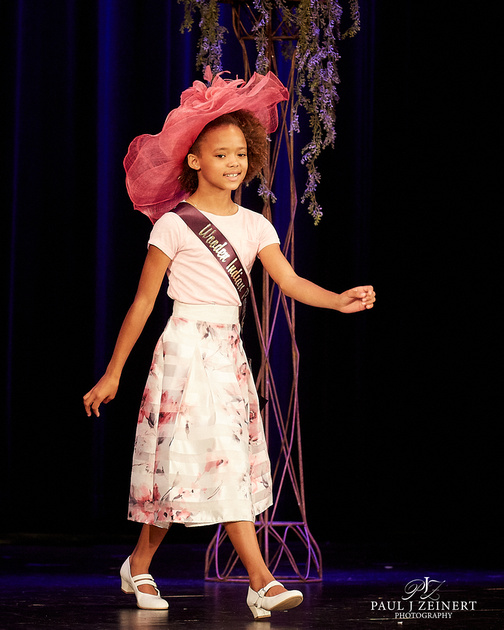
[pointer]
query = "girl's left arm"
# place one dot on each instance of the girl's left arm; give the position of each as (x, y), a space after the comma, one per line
(302, 290)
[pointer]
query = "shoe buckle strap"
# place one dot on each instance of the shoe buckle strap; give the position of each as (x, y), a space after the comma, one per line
(262, 592)
(144, 578)
(149, 583)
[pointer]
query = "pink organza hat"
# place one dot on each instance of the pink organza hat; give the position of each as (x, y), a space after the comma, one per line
(154, 163)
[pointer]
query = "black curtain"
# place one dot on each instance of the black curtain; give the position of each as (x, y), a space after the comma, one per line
(400, 404)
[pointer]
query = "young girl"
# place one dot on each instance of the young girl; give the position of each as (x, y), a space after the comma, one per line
(200, 453)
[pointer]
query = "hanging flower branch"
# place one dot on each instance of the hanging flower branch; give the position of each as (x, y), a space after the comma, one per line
(212, 33)
(316, 58)
(316, 25)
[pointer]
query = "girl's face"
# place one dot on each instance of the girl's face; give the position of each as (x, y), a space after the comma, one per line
(222, 161)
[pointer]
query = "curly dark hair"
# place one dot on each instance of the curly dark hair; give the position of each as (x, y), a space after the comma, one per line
(257, 146)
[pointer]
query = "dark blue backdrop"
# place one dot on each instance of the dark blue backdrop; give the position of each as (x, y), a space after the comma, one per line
(398, 405)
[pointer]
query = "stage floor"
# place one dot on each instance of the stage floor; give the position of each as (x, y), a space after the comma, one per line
(77, 587)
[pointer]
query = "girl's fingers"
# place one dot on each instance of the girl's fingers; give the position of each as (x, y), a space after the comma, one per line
(369, 298)
(88, 405)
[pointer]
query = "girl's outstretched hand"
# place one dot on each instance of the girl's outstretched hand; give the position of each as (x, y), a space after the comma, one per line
(358, 299)
(103, 392)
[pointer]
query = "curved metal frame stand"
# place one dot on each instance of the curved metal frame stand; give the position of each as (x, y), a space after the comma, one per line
(288, 547)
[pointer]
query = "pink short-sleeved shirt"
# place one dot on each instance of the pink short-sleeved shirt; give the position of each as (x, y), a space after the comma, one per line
(195, 276)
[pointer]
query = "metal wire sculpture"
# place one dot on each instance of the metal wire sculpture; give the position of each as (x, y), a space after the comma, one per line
(267, 29)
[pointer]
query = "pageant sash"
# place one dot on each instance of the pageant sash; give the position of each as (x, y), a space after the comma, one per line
(218, 245)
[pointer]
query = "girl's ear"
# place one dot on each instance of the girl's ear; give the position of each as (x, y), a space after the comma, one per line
(193, 161)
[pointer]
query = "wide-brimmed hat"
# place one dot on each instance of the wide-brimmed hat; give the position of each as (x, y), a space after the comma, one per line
(154, 163)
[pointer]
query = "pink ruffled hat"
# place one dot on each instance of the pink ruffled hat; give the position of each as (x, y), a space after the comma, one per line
(154, 163)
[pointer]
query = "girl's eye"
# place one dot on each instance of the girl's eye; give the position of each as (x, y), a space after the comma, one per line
(223, 155)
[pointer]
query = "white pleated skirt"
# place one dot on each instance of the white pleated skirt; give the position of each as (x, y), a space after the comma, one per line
(200, 453)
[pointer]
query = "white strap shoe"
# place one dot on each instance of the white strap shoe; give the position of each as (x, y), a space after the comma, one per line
(130, 584)
(261, 606)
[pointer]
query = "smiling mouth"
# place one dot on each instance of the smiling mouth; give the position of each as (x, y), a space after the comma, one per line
(232, 175)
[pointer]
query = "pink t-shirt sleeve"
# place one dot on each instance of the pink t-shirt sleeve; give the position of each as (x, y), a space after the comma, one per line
(268, 235)
(168, 234)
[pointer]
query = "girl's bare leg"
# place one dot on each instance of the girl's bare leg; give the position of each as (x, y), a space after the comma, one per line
(243, 536)
(148, 542)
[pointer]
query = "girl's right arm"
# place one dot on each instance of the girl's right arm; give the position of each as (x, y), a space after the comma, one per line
(154, 269)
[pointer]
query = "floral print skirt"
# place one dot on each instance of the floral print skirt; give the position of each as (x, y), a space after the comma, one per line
(200, 452)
